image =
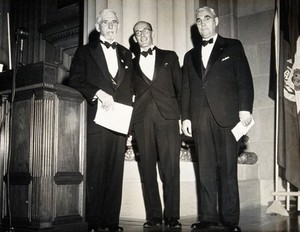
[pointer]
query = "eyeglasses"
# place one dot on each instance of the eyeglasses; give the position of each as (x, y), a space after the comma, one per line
(205, 19)
(145, 31)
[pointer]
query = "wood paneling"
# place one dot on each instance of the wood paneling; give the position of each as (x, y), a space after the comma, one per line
(46, 175)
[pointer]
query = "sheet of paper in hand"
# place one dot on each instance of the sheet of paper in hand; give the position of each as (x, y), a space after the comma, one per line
(239, 130)
(116, 119)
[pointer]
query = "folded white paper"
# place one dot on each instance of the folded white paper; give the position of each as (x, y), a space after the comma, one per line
(116, 119)
(239, 130)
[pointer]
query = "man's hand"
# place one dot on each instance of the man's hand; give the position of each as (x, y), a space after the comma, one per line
(245, 117)
(180, 126)
(129, 141)
(187, 128)
(106, 99)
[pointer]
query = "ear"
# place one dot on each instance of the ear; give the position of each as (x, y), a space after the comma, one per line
(134, 39)
(97, 26)
(217, 21)
(152, 34)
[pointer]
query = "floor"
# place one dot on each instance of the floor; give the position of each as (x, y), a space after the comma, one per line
(252, 220)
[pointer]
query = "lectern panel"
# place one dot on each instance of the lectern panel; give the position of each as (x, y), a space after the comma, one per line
(69, 132)
(21, 132)
(47, 137)
(19, 203)
(67, 205)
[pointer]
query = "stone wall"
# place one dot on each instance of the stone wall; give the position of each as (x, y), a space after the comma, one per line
(255, 21)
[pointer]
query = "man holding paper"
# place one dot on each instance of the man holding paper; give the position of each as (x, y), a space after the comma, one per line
(157, 87)
(102, 72)
(217, 93)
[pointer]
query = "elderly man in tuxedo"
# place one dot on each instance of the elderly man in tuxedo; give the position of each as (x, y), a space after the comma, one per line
(102, 71)
(217, 93)
(157, 88)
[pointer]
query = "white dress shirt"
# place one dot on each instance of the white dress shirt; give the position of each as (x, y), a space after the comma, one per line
(206, 51)
(111, 58)
(147, 64)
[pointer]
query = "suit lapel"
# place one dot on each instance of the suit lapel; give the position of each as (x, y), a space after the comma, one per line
(159, 63)
(121, 65)
(137, 67)
(215, 53)
(98, 55)
(197, 59)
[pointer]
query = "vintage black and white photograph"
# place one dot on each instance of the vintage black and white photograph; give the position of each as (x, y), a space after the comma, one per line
(149, 115)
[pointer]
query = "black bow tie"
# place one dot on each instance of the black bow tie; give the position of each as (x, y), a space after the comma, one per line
(145, 53)
(108, 45)
(205, 42)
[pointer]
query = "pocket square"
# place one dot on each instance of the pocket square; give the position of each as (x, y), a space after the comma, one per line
(166, 64)
(225, 58)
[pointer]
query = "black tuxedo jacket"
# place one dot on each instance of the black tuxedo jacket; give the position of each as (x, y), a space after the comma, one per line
(164, 89)
(226, 83)
(89, 73)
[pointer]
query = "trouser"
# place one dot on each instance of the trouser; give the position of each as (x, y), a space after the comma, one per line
(105, 165)
(158, 142)
(217, 152)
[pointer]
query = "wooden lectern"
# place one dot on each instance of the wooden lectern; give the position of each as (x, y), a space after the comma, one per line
(42, 152)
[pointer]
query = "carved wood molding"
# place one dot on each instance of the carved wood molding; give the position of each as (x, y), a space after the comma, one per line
(62, 30)
(67, 178)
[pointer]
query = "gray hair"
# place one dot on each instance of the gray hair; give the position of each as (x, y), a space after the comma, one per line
(211, 10)
(102, 12)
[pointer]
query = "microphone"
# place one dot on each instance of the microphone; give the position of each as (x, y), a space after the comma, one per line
(21, 33)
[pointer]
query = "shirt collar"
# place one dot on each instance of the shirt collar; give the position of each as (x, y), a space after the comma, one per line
(152, 48)
(103, 39)
(214, 39)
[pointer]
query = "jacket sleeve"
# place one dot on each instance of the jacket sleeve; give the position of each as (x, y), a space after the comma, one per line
(185, 97)
(177, 79)
(244, 80)
(78, 76)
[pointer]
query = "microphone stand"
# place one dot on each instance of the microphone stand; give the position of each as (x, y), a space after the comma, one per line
(20, 35)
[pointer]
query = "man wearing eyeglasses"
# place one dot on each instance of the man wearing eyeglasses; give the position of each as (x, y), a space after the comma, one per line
(102, 71)
(157, 88)
(217, 93)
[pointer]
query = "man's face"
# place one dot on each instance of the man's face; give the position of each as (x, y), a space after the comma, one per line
(206, 23)
(108, 26)
(143, 35)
